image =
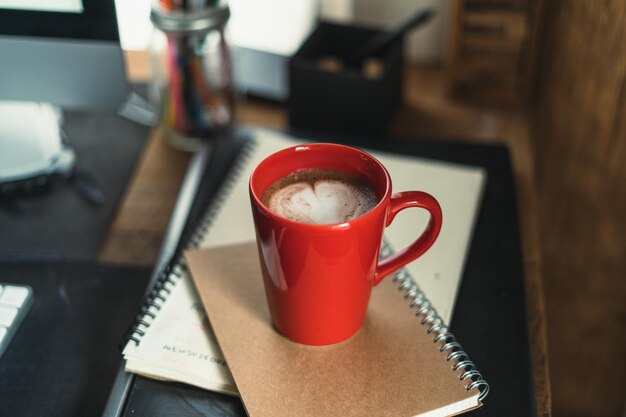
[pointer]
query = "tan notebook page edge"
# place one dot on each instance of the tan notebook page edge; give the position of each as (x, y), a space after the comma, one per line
(390, 367)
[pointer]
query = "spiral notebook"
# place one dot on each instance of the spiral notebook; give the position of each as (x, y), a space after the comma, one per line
(172, 340)
(358, 377)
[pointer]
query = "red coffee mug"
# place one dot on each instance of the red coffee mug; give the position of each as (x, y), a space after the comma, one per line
(318, 278)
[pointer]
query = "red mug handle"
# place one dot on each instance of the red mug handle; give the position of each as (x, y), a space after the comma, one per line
(399, 202)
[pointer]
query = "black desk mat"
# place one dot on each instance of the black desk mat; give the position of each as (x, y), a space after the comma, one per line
(490, 314)
(65, 355)
(57, 221)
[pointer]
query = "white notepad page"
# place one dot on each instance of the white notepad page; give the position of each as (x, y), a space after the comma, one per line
(458, 188)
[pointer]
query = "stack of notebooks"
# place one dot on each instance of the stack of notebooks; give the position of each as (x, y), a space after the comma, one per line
(210, 325)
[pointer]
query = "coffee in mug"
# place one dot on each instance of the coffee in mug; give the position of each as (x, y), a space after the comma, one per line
(320, 196)
(319, 270)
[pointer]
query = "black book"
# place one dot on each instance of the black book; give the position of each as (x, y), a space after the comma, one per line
(489, 318)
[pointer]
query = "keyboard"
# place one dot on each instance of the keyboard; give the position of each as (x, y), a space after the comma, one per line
(15, 301)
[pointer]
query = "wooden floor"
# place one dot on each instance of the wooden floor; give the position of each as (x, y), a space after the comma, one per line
(135, 234)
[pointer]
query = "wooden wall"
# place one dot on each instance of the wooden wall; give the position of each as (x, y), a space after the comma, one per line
(580, 152)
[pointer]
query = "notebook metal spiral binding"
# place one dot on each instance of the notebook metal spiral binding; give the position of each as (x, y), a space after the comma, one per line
(220, 198)
(154, 300)
(176, 269)
(438, 328)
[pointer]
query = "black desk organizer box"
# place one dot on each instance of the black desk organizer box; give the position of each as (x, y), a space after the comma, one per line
(344, 101)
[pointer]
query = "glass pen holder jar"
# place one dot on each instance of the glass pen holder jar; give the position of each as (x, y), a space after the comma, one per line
(191, 85)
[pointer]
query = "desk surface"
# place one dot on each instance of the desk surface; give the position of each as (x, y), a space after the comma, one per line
(63, 358)
(135, 234)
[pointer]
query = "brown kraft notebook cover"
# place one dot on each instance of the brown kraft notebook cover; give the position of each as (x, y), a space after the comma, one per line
(391, 367)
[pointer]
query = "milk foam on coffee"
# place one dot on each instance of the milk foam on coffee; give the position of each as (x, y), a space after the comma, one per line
(320, 197)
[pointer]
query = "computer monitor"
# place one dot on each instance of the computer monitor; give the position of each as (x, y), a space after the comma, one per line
(63, 52)
(54, 54)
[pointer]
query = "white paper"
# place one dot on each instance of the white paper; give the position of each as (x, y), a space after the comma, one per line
(178, 345)
(458, 188)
